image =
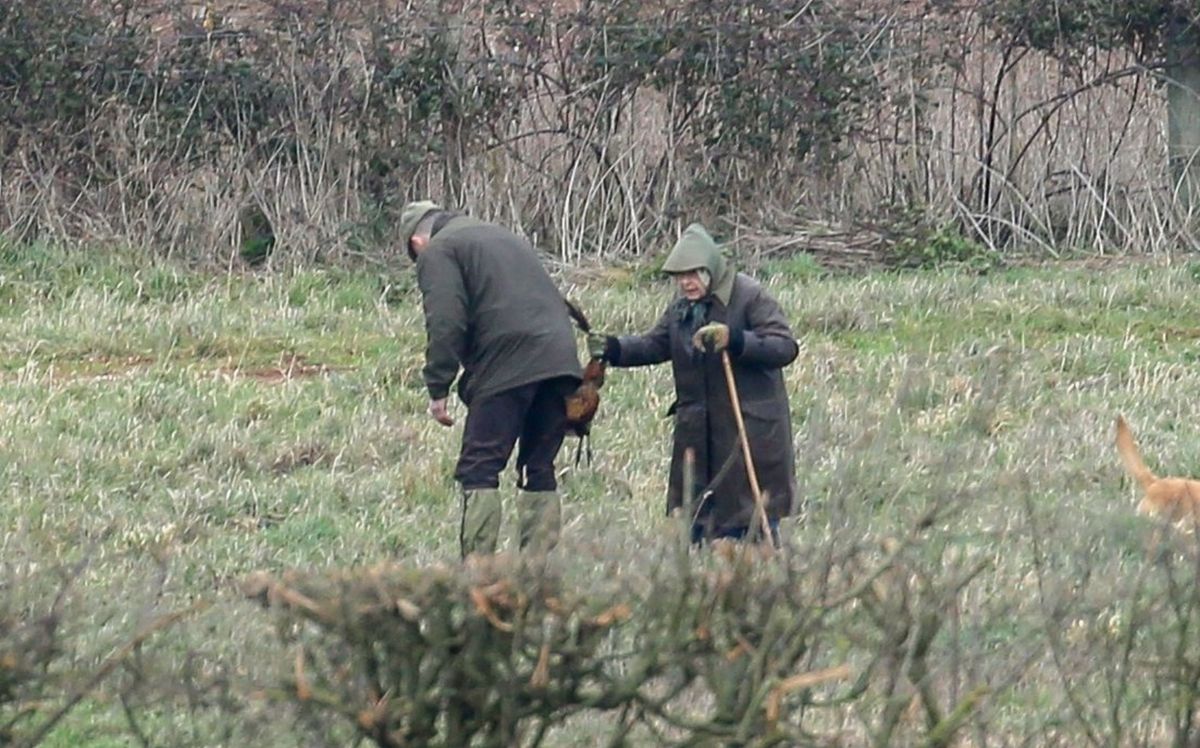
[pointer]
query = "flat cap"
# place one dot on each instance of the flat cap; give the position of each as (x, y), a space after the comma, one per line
(411, 216)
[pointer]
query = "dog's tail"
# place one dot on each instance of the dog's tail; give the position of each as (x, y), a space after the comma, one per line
(1130, 456)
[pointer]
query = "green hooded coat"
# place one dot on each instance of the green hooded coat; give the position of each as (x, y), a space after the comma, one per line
(703, 411)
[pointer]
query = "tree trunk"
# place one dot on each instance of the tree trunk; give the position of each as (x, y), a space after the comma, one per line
(1183, 115)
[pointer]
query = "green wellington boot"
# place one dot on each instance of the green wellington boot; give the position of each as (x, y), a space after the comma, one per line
(539, 514)
(480, 529)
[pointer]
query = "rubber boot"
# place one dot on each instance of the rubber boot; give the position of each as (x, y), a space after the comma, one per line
(539, 514)
(480, 528)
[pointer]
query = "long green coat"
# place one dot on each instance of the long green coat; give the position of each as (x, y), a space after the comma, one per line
(703, 411)
(491, 309)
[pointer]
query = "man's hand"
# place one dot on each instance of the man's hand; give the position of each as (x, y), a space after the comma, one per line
(440, 413)
(597, 344)
(713, 337)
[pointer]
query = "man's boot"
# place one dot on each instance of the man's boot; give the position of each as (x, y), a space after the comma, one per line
(479, 531)
(539, 515)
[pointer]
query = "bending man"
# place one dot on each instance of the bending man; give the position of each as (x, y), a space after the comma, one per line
(492, 311)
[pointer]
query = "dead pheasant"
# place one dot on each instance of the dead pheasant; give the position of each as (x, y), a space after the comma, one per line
(585, 400)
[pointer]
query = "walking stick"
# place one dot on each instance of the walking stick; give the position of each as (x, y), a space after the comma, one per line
(761, 510)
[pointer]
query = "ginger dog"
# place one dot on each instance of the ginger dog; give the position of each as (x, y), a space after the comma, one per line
(1174, 499)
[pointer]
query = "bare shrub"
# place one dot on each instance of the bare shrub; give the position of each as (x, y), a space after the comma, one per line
(731, 646)
(1122, 644)
(41, 681)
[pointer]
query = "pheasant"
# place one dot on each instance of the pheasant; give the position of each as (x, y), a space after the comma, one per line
(585, 400)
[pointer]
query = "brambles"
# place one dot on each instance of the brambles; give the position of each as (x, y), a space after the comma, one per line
(941, 246)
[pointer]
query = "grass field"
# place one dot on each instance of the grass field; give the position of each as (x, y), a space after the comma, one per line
(170, 431)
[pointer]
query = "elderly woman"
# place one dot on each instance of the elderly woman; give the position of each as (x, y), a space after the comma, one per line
(719, 310)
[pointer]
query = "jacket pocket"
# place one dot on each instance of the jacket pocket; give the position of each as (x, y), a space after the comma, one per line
(690, 422)
(768, 432)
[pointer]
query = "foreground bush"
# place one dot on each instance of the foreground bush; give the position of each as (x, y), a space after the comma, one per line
(737, 646)
(41, 646)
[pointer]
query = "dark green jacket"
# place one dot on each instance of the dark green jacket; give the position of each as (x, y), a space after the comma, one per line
(703, 411)
(491, 309)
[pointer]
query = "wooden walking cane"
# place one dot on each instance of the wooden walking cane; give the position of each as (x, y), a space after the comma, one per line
(741, 425)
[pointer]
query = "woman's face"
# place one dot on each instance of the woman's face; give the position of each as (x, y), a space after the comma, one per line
(691, 285)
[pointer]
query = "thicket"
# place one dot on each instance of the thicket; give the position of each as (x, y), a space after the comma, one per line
(1144, 26)
(368, 105)
(597, 128)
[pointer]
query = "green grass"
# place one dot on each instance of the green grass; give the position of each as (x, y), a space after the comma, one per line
(147, 422)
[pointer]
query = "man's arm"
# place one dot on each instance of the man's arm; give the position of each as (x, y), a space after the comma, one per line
(444, 296)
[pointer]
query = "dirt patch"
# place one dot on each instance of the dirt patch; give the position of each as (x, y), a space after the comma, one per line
(111, 368)
(303, 455)
(99, 368)
(291, 366)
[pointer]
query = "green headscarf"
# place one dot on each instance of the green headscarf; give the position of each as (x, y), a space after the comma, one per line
(696, 250)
